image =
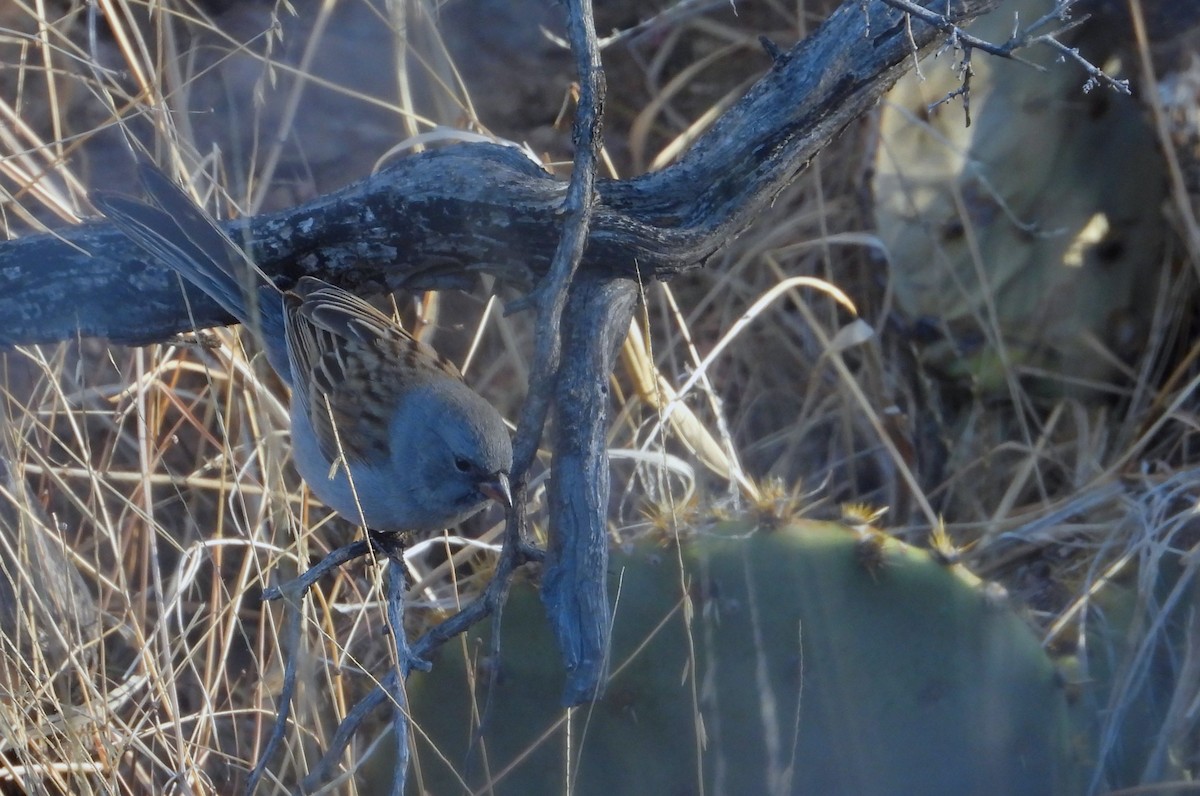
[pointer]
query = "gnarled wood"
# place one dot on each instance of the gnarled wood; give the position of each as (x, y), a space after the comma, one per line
(431, 219)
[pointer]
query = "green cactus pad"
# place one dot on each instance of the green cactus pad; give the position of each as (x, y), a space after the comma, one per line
(819, 661)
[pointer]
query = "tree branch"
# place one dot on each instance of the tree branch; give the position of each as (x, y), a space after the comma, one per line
(575, 574)
(431, 220)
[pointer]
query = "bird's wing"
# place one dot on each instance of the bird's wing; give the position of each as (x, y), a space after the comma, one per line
(351, 363)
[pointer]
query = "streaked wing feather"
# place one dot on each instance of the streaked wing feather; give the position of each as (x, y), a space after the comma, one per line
(358, 361)
(342, 312)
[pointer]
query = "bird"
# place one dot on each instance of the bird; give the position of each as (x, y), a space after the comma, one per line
(385, 431)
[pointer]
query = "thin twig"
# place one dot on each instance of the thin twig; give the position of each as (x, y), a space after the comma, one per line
(406, 661)
(1096, 76)
(947, 26)
(358, 714)
(1020, 40)
(549, 297)
(294, 591)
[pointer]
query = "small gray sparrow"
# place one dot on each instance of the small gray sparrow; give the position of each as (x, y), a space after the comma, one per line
(384, 430)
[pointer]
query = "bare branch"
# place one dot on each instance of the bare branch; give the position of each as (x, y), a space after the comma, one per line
(434, 219)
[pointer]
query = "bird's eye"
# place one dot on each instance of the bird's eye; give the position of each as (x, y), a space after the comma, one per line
(462, 464)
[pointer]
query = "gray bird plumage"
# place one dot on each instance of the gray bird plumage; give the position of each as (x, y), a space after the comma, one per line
(416, 448)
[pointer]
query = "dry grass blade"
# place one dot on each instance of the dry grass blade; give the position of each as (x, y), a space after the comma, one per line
(146, 497)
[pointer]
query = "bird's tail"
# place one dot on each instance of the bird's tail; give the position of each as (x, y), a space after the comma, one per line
(177, 232)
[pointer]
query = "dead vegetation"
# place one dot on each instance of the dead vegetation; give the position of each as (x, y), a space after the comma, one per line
(158, 477)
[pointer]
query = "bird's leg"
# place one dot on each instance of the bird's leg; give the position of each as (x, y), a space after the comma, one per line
(389, 544)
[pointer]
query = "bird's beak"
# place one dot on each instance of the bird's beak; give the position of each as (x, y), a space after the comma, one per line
(498, 490)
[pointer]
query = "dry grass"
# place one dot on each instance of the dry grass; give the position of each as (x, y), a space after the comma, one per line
(159, 474)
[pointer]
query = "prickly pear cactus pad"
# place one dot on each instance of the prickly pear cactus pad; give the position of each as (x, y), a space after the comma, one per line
(1030, 240)
(805, 659)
